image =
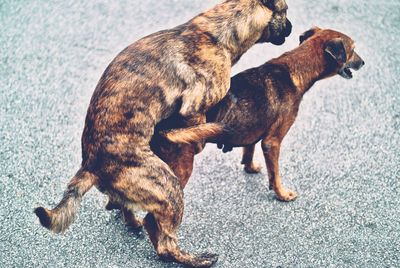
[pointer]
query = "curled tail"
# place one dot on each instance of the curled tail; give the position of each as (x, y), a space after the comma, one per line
(194, 134)
(61, 217)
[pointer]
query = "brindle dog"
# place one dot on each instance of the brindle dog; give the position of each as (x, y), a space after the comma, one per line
(185, 69)
(262, 105)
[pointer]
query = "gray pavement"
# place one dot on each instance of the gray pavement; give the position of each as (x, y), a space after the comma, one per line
(342, 155)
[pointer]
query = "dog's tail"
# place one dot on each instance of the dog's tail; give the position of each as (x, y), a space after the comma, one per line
(195, 133)
(61, 217)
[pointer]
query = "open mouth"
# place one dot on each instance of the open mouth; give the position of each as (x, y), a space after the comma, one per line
(346, 73)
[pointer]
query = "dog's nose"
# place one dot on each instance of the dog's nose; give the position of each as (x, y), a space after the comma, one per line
(361, 63)
(288, 29)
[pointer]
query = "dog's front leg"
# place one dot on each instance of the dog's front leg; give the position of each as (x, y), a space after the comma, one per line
(271, 148)
(207, 92)
(194, 121)
(247, 160)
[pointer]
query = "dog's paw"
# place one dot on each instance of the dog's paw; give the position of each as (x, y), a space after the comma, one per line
(286, 195)
(252, 168)
(205, 260)
(188, 260)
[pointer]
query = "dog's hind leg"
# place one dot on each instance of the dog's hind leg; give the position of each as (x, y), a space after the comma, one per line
(152, 186)
(162, 234)
(247, 160)
(131, 219)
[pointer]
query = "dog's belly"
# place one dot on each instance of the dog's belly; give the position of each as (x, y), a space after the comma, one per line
(242, 139)
(239, 135)
(244, 125)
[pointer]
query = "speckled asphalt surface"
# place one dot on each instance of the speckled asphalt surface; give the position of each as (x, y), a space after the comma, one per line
(342, 155)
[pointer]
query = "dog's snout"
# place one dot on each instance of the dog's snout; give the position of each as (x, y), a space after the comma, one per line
(358, 62)
(361, 63)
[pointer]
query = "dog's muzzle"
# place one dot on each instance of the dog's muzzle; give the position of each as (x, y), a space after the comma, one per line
(355, 63)
(279, 35)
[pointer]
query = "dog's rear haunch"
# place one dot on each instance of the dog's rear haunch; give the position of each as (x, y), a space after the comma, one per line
(183, 70)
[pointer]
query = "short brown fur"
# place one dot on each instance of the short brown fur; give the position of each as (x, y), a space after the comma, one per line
(263, 102)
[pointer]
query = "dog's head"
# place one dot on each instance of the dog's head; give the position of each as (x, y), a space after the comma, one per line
(279, 27)
(338, 50)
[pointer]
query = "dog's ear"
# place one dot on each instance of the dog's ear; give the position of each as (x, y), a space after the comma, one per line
(271, 4)
(308, 34)
(335, 49)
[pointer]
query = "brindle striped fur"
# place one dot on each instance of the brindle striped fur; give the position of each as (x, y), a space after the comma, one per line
(185, 69)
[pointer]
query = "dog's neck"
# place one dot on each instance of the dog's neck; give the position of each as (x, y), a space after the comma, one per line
(235, 25)
(306, 64)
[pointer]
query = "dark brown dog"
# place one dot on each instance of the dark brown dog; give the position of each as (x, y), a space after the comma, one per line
(262, 104)
(185, 69)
